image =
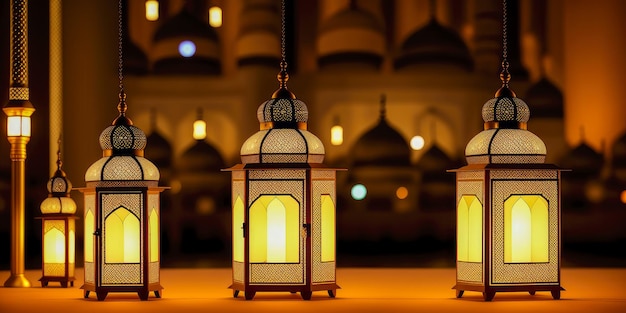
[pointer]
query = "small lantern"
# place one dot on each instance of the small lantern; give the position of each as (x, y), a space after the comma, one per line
(508, 206)
(122, 215)
(283, 205)
(58, 230)
(152, 10)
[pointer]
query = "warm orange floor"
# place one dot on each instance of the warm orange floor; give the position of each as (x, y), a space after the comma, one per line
(363, 290)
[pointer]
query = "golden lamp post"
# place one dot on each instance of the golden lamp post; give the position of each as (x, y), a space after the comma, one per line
(18, 111)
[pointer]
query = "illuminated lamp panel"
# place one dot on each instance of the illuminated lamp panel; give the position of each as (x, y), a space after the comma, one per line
(469, 229)
(535, 235)
(54, 248)
(153, 239)
(89, 228)
(121, 237)
(72, 248)
(323, 229)
(469, 194)
(274, 230)
(238, 239)
(526, 229)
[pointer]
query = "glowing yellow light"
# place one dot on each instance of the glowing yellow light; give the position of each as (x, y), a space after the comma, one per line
(469, 229)
(18, 126)
(238, 239)
(526, 229)
(89, 230)
(274, 230)
(402, 193)
(417, 142)
(328, 229)
(336, 135)
(154, 235)
(54, 246)
(623, 196)
(215, 16)
(121, 237)
(199, 130)
(152, 10)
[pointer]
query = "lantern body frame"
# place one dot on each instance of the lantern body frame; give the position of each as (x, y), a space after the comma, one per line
(52, 272)
(489, 271)
(141, 199)
(308, 184)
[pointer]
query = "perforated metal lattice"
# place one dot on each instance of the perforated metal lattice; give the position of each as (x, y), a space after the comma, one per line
(122, 274)
(54, 269)
(284, 158)
(122, 168)
(506, 109)
(238, 271)
(59, 184)
(469, 272)
(321, 271)
(282, 110)
(524, 174)
(323, 174)
(130, 183)
(50, 224)
(90, 274)
(131, 201)
(277, 274)
(470, 175)
(154, 272)
(277, 174)
(122, 137)
(522, 273)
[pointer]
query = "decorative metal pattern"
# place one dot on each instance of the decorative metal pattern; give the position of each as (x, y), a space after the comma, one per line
(276, 174)
(470, 175)
(473, 187)
(282, 110)
(284, 141)
(90, 274)
(122, 274)
(506, 109)
(19, 93)
(469, 272)
(323, 174)
(122, 137)
(520, 273)
(54, 269)
(321, 271)
(277, 274)
(238, 271)
(19, 44)
(131, 201)
(154, 272)
(58, 224)
(115, 184)
(524, 174)
(525, 159)
(59, 185)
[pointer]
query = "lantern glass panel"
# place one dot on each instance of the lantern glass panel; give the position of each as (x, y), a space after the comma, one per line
(274, 230)
(121, 226)
(54, 242)
(72, 247)
(238, 239)
(526, 229)
(154, 233)
(469, 229)
(89, 230)
(18, 126)
(328, 229)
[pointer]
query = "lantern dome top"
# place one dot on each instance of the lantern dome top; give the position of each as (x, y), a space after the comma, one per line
(283, 136)
(505, 138)
(122, 145)
(382, 145)
(59, 188)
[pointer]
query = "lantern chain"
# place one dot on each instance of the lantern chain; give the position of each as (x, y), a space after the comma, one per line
(504, 35)
(119, 48)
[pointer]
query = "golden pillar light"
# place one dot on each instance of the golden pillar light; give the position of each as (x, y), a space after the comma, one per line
(58, 230)
(18, 111)
(283, 202)
(508, 205)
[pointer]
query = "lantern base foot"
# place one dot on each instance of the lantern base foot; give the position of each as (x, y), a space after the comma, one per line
(17, 281)
(489, 292)
(64, 281)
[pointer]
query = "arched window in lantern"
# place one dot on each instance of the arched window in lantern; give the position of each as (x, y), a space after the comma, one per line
(58, 230)
(283, 205)
(122, 214)
(508, 206)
